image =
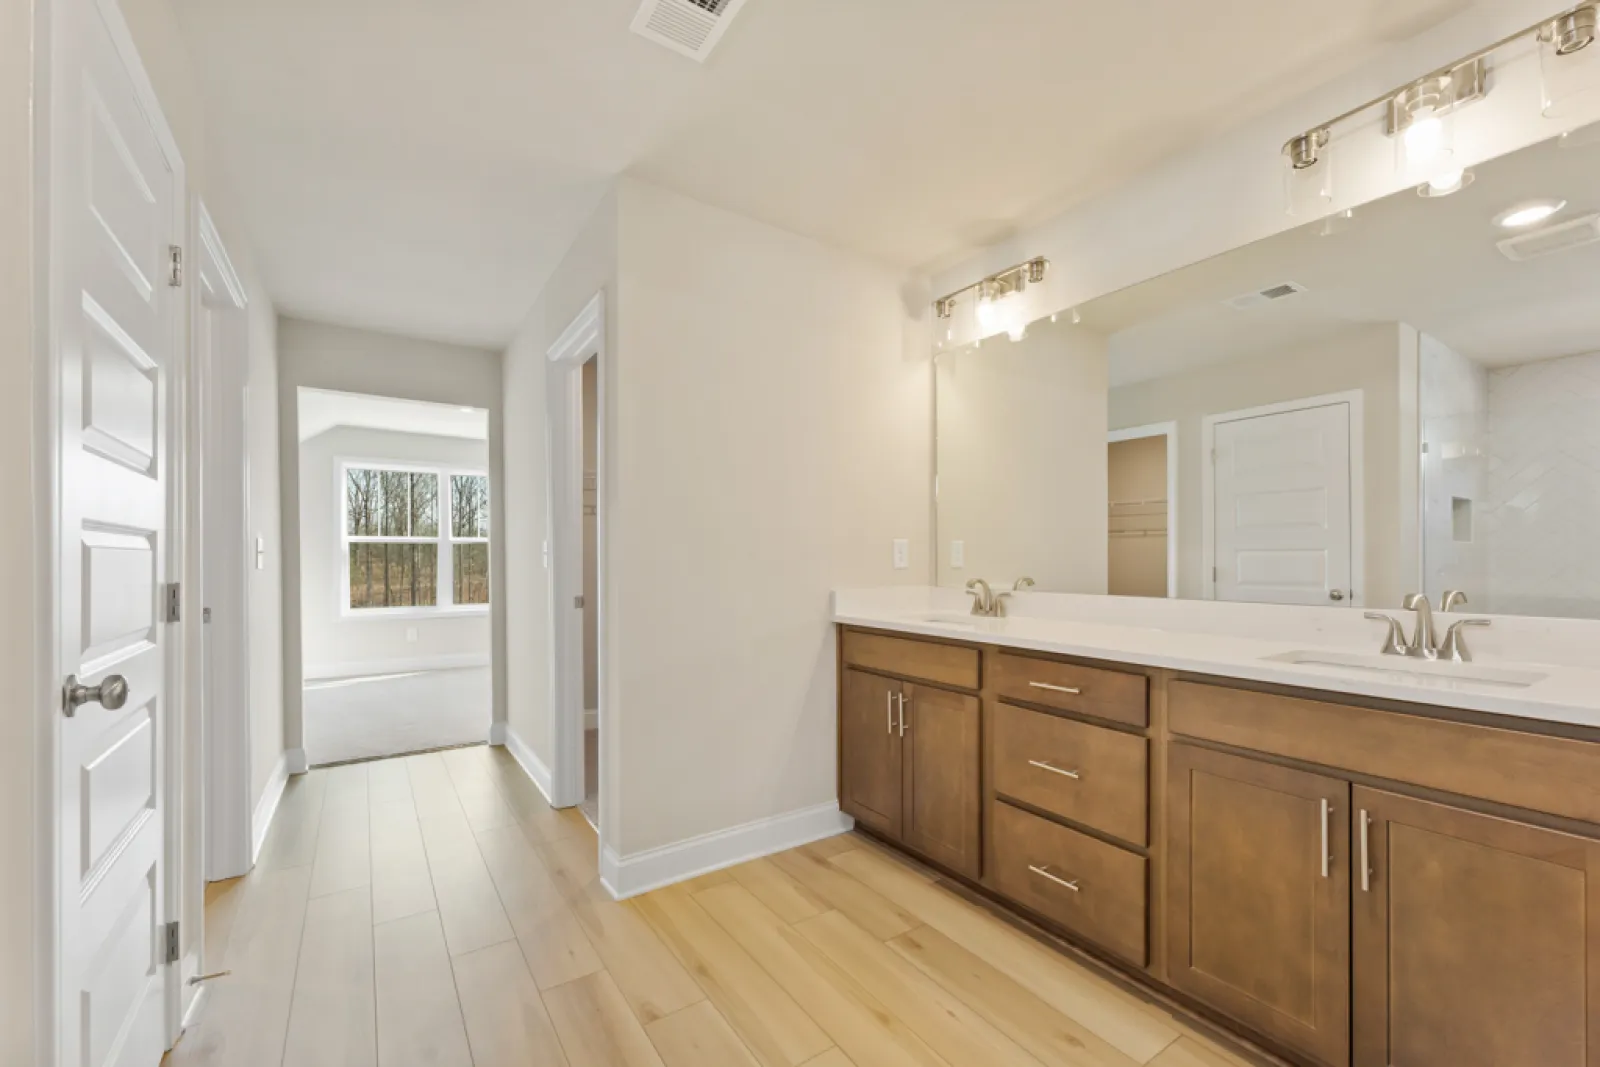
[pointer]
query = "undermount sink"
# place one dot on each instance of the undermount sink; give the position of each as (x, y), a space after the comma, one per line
(1433, 673)
(951, 618)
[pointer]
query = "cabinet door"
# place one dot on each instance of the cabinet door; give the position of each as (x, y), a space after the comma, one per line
(1258, 897)
(943, 797)
(870, 751)
(1477, 940)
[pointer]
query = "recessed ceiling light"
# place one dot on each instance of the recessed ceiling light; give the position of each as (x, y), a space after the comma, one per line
(1530, 213)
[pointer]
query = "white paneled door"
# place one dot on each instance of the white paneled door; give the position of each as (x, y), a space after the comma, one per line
(116, 196)
(1282, 507)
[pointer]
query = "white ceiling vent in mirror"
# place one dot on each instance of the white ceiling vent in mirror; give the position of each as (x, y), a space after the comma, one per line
(688, 27)
(1263, 297)
(1552, 239)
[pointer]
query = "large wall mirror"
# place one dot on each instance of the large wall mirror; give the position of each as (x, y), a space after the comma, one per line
(1400, 399)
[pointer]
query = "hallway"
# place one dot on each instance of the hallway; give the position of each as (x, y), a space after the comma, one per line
(434, 910)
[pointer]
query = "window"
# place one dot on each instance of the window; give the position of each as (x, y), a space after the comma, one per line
(399, 555)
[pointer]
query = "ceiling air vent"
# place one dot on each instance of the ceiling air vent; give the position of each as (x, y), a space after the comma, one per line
(1263, 297)
(1551, 239)
(688, 27)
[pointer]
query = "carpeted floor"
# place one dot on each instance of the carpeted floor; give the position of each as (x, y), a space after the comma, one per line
(386, 715)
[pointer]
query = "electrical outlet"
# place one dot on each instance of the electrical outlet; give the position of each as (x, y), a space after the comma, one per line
(958, 554)
(902, 554)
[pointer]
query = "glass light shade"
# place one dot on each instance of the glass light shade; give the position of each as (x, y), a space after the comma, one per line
(1571, 81)
(1426, 149)
(1003, 314)
(1308, 191)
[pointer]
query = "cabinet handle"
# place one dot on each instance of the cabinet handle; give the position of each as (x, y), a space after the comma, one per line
(1046, 765)
(1056, 688)
(888, 701)
(1327, 819)
(902, 714)
(1366, 856)
(1044, 872)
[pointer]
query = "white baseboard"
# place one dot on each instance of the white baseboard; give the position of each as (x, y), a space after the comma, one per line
(531, 764)
(267, 805)
(497, 733)
(629, 876)
(399, 665)
(296, 760)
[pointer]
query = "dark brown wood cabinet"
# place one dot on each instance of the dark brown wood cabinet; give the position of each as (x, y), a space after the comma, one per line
(1477, 939)
(909, 766)
(1259, 897)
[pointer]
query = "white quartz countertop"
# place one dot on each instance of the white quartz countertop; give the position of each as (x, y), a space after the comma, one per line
(1239, 641)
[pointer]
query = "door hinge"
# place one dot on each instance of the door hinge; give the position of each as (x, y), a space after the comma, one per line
(174, 605)
(174, 265)
(577, 602)
(173, 951)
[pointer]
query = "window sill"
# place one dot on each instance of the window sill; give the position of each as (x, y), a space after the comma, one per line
(415, 613)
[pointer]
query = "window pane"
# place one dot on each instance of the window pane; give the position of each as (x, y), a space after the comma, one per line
(424, 505)
(395, 514)
(362, 493)
(469, 505)
(471, 574)
(388, 575)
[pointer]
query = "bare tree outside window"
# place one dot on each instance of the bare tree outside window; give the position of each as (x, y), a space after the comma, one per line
(395, 538)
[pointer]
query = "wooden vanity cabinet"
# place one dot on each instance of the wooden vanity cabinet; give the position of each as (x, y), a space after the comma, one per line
(1476, 939)
(1258, 897)
(909, 766)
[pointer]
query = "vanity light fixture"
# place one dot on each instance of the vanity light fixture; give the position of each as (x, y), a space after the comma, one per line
(1530, 213)
(1421, 119)
(1000, 305)
(1568, 68)
(1446, 183)
(1308, 172)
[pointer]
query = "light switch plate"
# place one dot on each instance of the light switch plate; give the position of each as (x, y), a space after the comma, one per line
(902, 553)
(958, 554)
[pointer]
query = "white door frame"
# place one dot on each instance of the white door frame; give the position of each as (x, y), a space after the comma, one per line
(219, 377)
(583, 339)
(1358, 476)
(49, 967)
(1169, 430)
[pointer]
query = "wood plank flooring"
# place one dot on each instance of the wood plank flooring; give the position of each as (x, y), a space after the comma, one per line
(434, 911)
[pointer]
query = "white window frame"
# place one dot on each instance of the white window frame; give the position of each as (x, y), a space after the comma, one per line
(444, 543)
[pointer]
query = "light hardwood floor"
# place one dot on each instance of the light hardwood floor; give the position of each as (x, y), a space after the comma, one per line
(434, 911)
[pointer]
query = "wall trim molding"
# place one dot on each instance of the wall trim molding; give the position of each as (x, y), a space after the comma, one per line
(267, 805)
(498, 732)
(355, 669)
(629, 876)
(530, 763)
(296, 760)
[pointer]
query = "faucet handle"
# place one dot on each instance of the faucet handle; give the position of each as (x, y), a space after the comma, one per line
(1453, 647)
(1395, 643)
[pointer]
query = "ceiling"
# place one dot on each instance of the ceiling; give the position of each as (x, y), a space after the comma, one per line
(1432, 263)
(322, 409)
(421, 167)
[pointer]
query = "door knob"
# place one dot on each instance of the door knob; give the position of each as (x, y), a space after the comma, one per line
(1337, 594)
(110, 694)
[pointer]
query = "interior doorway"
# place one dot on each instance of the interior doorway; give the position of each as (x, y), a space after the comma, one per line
(395, 624)
(1142, 519)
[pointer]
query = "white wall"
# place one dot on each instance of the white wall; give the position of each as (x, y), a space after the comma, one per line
(1368, 358)
(1454, 400)
(770, 441)
(333, 643)
(1022, 460)
(265, 590)
(589, 266)
(22, 554)
(361, 361)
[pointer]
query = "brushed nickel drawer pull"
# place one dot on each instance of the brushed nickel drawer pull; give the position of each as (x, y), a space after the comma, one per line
(1044, 872)
(902, 714)
(1366, 854)
(889, 700)
(1057, 688)
(1045, 765)
(1327, 813)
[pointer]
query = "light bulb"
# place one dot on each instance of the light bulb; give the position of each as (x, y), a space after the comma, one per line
(1425, 138)
(1017, 333)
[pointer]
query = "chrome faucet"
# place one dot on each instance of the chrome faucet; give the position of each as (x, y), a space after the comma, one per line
(983, 602)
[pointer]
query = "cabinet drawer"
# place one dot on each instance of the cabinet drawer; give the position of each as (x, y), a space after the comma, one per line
(1085, 773)
(1087, 690)
(1086, 885)
(952, 665)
